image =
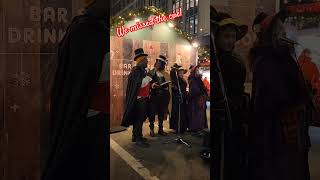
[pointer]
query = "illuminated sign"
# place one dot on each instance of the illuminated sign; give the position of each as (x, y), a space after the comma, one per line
(153, 20)
(305, 8)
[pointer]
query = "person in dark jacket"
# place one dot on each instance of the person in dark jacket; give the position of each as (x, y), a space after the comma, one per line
(177, 76)
(228, 32)
(137, 97)
(160, 96)
(279, 137)
(78, 141)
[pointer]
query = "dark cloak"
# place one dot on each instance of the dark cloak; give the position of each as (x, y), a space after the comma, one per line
(197, 102)
(174, 119)
(80, 58)
(278, 87)
(134, 83)
(234, 75)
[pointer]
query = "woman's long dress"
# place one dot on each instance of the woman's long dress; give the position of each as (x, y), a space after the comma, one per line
(197, 102)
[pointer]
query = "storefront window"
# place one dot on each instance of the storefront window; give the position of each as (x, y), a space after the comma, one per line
(188, 25)
(196, 24)
(191, 3)
(191, 21)
(176, 5)
(188, 5)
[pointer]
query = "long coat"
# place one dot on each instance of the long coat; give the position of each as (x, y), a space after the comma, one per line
(174, 119)
(134, 83)
(80, 59)
(279, 130)
(197, 103)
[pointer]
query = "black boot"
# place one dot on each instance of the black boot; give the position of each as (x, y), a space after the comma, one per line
(134, 139)
(161, 132)
(152, 133)
(142, 143)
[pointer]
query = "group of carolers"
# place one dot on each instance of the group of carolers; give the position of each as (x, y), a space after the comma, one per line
(148, 95)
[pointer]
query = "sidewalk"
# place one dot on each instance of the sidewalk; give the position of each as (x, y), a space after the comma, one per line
(159, 161)
(314, 155)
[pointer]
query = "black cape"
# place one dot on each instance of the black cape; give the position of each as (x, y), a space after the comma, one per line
(80, 58)
(174, 119)
(277, 87)
(134, 83)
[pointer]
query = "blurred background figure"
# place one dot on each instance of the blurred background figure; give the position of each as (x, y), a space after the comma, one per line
(308, 68)
(206, 84)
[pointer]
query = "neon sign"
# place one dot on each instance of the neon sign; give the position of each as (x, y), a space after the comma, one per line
(153, 20)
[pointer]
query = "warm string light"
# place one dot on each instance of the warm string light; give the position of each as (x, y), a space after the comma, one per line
(204, 53)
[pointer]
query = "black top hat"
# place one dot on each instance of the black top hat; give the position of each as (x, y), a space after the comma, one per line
(179, 68)
(182, 69)
(176, 66)
(162, 58)
(138, 53)
(263, 21)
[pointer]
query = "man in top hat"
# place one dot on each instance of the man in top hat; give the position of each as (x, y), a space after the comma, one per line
(79, 131)
(227, 32)
(159, 95)
(137, 97)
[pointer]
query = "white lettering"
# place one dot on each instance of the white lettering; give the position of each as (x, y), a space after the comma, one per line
(48, 35)
(28, 35)
(14, 38)
(35, 13)
(49, 13)
(62, 15)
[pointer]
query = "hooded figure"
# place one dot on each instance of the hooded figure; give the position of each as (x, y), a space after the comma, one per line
(279, 128)
(227, 32)
(79, 147)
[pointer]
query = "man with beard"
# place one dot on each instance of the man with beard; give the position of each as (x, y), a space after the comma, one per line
(159, 96)
(137, 97)
(79, 146)
(228, 32)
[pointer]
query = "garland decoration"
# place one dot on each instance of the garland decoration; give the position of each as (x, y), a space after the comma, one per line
(143, 13)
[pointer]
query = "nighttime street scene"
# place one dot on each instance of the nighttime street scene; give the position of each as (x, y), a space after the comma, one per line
(265, 112)
(160, 90)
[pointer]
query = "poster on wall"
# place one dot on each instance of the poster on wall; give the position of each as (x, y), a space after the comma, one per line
(183, 55)
(303, 26)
